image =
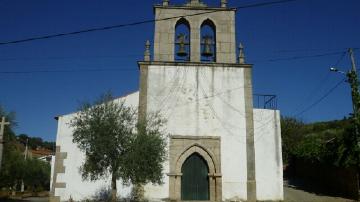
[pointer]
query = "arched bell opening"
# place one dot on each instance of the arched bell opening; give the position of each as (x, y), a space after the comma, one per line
(182, 40)
(208, 41)
(195, 179)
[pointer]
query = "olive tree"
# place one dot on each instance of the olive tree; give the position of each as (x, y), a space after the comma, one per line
(117, 145)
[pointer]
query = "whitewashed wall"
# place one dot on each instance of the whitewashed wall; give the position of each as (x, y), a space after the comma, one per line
(75, 186)
(268, 158)
(204, 101)
(196, 101)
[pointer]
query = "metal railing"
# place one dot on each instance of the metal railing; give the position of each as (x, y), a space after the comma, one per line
(265, 101)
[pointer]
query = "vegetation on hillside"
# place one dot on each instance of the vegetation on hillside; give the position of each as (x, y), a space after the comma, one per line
(34, 173)
(331, 143)
(35, 142)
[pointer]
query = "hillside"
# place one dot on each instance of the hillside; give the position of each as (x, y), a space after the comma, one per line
(331, 142)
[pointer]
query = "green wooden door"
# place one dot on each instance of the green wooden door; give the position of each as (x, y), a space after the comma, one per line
(195, 179)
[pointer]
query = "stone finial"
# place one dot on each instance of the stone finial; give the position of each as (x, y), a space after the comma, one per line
(224, 3)
(147, 54)
(241, 54)
(166, 2)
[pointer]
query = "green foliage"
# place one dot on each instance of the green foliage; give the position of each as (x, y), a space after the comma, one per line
(292, 131)
(348, 151)
(13, 168)
(104, 132)
(35, 142)
(116, 144)
(330, 143)
(35, 173)
(12, 161)
(147, 152)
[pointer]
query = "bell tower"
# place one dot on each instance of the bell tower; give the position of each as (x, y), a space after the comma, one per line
(196, 44)
(204, 90)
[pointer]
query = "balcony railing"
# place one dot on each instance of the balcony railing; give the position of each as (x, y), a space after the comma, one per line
(263, 101)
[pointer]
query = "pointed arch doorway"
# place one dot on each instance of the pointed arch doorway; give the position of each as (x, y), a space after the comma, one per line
(195, 179)
(195, 169)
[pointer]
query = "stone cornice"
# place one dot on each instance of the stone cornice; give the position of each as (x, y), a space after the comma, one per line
(200, 64)
(199, 8)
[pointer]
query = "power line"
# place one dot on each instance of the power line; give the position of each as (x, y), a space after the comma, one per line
(301, 57)
(67, 71)
(137, 23)
(320, 99)
(131, 56)
(307, 50)
(135, 69)
(320, 84)
(340, 59)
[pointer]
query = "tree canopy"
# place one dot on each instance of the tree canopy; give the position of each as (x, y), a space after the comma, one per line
(117, 145)
(15, 169)
(331, 143)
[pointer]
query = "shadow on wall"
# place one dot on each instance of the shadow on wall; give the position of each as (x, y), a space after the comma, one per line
(323, 179)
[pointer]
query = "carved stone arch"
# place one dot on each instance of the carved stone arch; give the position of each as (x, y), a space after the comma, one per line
(209, 149)
(184, 21)
(197, 148)
(206, 20)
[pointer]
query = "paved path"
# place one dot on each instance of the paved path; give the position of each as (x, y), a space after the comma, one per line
(295, 195)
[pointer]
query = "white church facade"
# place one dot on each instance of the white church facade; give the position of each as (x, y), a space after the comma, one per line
(220, 148)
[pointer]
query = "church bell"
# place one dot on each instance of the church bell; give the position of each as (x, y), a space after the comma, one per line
(207, 43)
(181, 43)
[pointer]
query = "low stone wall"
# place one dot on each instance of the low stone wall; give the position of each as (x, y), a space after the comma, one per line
(324, 179)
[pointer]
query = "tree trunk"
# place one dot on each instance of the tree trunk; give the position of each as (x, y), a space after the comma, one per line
(13, 191)
(113, 188)
(138, 192)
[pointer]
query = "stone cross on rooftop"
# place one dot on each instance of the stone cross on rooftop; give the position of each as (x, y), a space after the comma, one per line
(195, 3)
(2, 127)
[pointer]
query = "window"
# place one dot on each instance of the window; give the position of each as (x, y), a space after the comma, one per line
(182, 40)
(208, 41)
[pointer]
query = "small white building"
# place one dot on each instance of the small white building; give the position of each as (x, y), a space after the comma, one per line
(220, 147)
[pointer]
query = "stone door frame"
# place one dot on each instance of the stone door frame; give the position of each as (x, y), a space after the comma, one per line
(208, 147)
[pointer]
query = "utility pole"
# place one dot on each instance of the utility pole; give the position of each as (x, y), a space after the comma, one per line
(355, 95)
(354, 83)
(2, 129)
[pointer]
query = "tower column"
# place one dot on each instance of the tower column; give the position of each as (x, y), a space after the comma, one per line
(250, 142)
(195, 43)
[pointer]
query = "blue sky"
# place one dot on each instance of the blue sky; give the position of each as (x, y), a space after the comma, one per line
(300, 28)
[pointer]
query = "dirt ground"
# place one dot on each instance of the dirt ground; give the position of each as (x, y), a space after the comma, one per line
(290, 195)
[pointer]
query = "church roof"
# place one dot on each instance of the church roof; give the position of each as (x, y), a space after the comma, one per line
(116, 98)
